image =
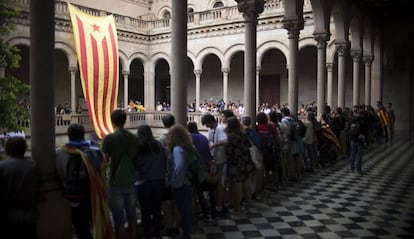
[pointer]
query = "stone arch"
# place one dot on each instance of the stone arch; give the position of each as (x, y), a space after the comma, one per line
(205, 52)
(330, 52)
(137, 55)
(19, 41)
(321, 12)
(163, 11)
(307, 41)
(355, 28)
(229, 53)
(158, 56)
(214, 2)
(192, 6)
(69, 51)
(263, 48)
(191, 56)
(368, 39)
(340, 21)
(123, 60)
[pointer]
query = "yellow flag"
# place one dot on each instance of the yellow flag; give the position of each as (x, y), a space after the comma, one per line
(97, 50)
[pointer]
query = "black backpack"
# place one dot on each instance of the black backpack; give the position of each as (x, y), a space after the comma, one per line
(76, 183)
(271, 149)
(302, 128)
(294, 130)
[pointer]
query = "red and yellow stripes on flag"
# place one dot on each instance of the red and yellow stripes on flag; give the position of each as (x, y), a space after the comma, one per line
(97, 50)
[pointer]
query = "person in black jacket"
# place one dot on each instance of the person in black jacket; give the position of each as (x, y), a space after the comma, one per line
(357, 137)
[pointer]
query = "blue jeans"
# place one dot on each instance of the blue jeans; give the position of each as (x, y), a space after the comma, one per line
(356, 156)
(184, 202)
(123, 200)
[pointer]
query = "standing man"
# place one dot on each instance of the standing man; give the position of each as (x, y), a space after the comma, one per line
(290, 150)
(18, 191)
(79, 166)
(356, 133)
(119, 150)
(218, 139)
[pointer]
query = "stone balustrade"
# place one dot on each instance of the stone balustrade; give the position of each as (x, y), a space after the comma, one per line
(134, 119)
(196, 19)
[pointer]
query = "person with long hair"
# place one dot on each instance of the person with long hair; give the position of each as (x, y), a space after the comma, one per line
(151, 168)
(239, 164)
(180, 148)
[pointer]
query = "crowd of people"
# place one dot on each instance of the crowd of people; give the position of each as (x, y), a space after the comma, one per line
(185, 174)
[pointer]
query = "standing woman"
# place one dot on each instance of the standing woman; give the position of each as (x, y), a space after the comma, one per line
(151, 168)
(180, 147)
(239, 164)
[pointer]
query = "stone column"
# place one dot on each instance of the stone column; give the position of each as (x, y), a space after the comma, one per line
(53, 210)
(72, 70)
(368, 62)
(329, 91)
(225, 84)
(179, 61)
(321, 74)
(250, 10)
(341, 47)
(293, 29)
(198, 85)
(258, 68)
(149, 86)
(356, 57)
(125, 74)
(376, 70)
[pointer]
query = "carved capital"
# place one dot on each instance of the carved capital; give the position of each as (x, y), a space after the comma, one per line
(72, 68)
(225, 71)
(329, 67)
(293, 27)
(341, 48)
(258, 69)
(321, 39)
(356, 55)
(250, 8)
(198, 73)
(125, 73)
(367, 60)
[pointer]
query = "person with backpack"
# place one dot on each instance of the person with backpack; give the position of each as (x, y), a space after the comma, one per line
(180, 149)
(357, 137)
(200, 142)
(290, 150)
(120, 151)
(79, 166)
(152, 170)
(240, 166)
(269, 140)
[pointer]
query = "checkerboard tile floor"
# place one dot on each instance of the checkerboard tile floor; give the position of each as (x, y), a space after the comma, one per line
(333, 203)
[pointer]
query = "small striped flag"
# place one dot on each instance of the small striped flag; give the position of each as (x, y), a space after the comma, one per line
(97, 51)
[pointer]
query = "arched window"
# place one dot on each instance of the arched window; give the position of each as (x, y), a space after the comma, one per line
(218, 4)
(166, 15)
(190, 10)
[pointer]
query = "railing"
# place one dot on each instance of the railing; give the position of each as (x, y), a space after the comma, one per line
(196, 19)
(134, 119)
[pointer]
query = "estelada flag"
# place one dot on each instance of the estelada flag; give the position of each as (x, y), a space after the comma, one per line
(97, 51)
